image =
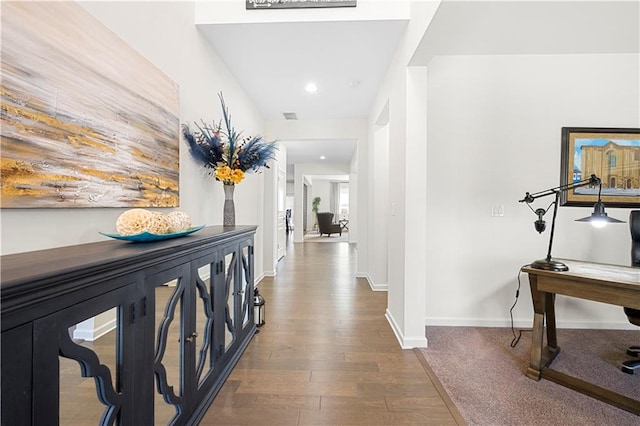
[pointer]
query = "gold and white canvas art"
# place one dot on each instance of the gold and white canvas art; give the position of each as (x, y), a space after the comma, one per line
(86, 121)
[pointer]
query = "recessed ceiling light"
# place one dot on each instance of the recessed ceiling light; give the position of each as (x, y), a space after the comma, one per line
(311, 87)
(322, 157)
(354, 84)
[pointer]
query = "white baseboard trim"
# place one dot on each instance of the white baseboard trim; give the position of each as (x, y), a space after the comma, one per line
(374, 286)
(405, 342)
(269, 274)
(259, 279)
(91, 335)
(526, 324)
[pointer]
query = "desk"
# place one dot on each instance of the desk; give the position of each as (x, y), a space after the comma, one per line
(616, 285)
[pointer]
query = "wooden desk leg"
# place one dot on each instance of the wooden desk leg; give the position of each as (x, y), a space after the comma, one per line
(535, 363)
(552, 341)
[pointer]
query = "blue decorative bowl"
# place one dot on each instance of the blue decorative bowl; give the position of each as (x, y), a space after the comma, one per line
(147, 236)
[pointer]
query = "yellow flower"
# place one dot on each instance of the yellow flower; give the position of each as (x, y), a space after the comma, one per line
(223, 173)
(227, 175)
(237, 175)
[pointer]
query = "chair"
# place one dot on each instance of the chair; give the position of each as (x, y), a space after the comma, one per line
(633, 314)
(326, 225)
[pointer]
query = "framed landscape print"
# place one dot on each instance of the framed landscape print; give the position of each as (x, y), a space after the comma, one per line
(612, 154)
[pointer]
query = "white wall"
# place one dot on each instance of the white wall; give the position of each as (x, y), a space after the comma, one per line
(494, 133)
(283, 130)
(353, 201)
(321, 188)
(379, 204)
(163, 32)
(290, 201)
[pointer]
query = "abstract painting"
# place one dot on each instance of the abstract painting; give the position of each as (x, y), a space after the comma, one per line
(86, 121)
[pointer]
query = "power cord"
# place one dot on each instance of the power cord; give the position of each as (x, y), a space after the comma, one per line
(516, 339)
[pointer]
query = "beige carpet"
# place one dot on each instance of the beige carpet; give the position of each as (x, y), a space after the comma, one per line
(486, 379)
(314, 237)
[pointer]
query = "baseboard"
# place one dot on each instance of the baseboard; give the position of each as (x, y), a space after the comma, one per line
(259, 279)
(475, 322)
(206, 275)
(405, 342)
(374, 286)
(269, 274)
(93, 334)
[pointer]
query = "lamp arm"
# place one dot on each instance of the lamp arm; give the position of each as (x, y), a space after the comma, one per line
(548, 263)
(553, 225)
(598, 213)
(592, 180)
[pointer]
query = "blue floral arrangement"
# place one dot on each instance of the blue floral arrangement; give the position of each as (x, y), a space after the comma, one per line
(226, 152)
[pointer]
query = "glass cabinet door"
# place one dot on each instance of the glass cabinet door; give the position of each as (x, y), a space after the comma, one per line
(81, 377)
(205, 359)
(169, 299)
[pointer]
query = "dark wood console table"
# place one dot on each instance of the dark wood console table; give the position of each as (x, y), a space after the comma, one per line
(616, 285)
(172, 353)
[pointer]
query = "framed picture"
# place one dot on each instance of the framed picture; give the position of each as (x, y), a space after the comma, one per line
(296, 4)
(612, 154)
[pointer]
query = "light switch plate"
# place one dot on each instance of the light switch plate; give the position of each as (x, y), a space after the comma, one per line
(497, 210)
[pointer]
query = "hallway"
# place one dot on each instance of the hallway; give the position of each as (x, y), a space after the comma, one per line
(326, 354)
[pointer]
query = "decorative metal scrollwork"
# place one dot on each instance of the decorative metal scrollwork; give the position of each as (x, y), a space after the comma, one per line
(208, 312)
(229, 282)
(246, 290)
(90, 366)
(159, 369)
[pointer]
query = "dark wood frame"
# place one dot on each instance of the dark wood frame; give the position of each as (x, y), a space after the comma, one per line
(571, 198)
(297, 4)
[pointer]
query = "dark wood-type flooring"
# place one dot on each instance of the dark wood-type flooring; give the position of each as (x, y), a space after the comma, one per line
(327, 355)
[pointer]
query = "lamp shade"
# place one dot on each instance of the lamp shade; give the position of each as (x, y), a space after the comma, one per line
(599, 217)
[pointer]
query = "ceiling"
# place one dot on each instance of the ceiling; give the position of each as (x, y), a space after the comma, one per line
(348, 60)
(530, 28)
(273, 62)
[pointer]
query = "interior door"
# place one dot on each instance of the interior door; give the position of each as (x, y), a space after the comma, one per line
(282, 195)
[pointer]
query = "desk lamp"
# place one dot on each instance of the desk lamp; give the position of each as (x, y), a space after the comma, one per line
(598, 218)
